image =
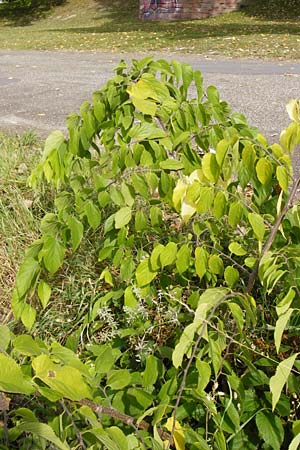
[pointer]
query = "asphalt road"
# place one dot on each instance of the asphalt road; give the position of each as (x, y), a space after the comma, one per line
(39, 88)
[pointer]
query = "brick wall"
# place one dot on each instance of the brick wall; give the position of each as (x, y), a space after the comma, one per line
(184, 9)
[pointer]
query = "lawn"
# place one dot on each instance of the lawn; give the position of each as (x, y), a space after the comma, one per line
(267, 31)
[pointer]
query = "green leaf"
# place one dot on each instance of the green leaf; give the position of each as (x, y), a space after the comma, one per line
(28, 316)
(220, 204)
(280, 326)
(264, 171)
(118, 437)
(105, 360)
(5, 337)
(183, 258)
(282, 177)
(140, 221)
(294, 445)
(151, 371)
(168, 254)
(118, 379)
(76, 229)
(93, 214)
(184, 345)
(238, 315)
(215, 265)
(12, 378)
(204, 374)
(235, 214)
(237, 249)
(53, 253)
(210, 167)
(231, 276)
(65, 380)
(44, 293)
(123, 217)
(270, 429)
(26, 345)
(144, 274)
(258, 225)
(102, 436)
(201, 261)
(43, 431)
(281, 376)
(155, 216)
(145, 106)
(53, 142)
(26, 276)
(171, 164)
(213, 95)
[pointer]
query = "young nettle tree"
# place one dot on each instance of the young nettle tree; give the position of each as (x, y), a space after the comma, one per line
(194, 228)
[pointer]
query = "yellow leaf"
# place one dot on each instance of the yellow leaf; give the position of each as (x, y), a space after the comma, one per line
(179, 193)
(178, 434)
(293, 110)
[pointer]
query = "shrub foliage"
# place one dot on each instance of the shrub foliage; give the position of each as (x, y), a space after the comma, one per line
(191, 341)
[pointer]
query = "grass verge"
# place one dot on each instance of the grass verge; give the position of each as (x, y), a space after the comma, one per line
(21, 210)
(18, 209)
(269, 29)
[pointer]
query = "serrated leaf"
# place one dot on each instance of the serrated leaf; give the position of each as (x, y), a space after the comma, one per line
(270, 429)
(258, 225)
(293, 110)
(12, 378)
(44, 293)
(43, 431)
(281, 376)
(123, 217)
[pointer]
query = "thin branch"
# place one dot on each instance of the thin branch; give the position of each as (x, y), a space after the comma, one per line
(274, 230)
(193, 355)
(77, 432)
(125, 418)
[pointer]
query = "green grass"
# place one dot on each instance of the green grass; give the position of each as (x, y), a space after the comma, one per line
(262, 29)
(18, 207)
(21, 210)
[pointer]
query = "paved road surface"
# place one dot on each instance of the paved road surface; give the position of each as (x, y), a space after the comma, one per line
(38, 89)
